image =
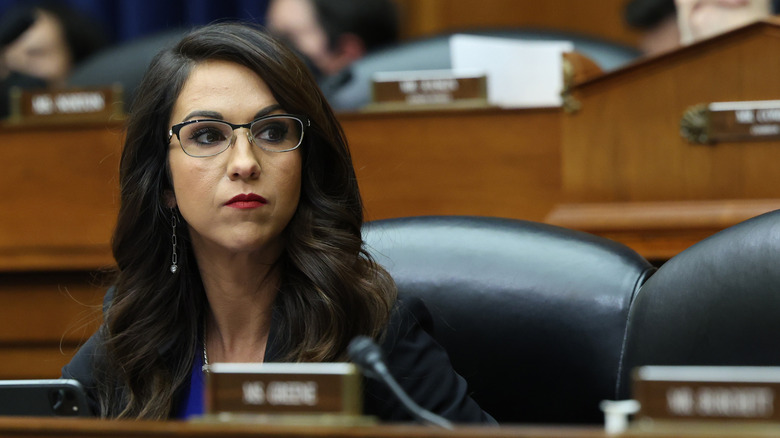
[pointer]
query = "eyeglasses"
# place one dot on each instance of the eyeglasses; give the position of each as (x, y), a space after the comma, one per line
(207, 137)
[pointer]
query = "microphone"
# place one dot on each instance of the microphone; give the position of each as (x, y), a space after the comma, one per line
(368, 357)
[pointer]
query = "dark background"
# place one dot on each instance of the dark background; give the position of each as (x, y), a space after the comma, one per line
(128, 19)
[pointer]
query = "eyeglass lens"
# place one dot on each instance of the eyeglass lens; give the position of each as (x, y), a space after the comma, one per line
(276, 134)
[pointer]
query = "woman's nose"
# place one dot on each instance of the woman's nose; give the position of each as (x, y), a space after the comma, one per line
(244, 161)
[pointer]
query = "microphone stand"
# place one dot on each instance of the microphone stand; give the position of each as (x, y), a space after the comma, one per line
(368, 356)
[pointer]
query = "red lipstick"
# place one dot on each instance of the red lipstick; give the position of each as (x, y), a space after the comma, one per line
(246, 201)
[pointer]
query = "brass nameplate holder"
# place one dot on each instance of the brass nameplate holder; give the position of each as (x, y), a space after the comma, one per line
(732, 122)
(707, 394)
(427, 89)
(318, 390)
(66, 106)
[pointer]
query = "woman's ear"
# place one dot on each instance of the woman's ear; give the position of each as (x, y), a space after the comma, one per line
(170, 199)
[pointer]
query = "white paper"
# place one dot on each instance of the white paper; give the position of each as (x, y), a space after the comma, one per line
(519, 73)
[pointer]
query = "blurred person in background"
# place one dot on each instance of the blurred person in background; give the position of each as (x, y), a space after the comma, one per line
(40, 43)
(656, 20)
(332, 34)
(699, 19)
(55, 39)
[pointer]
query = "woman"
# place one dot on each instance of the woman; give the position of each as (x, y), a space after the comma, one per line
(238, 240)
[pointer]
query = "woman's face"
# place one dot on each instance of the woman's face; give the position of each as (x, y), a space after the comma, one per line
(205, 189)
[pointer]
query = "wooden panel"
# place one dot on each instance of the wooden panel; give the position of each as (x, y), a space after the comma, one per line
(46, 308)
(34, 361)
(58, 198)
(271, 427)
(624, 145)
(44, 316)
(299, 428)
(58, 195)
(628, 174)
(599, 18)
(659, 230)
(483, 162)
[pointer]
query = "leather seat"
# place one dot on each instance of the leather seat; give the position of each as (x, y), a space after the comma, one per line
(124, 64)
(716, 303)
(532, 315)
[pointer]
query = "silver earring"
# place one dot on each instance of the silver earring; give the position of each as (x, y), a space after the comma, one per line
(174, 256)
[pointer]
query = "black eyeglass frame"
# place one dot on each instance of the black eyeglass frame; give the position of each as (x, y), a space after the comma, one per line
(305, 123)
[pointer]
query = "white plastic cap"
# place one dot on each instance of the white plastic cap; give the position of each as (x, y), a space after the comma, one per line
(616, 414)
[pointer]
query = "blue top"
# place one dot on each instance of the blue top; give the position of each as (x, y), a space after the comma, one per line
(191, 402)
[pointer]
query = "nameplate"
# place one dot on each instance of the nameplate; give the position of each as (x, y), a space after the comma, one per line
(284, 388)
(707, 393)
(429, 88)
(66, 105)
(719, 122)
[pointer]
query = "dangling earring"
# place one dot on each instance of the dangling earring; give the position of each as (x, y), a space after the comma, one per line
(174, 256)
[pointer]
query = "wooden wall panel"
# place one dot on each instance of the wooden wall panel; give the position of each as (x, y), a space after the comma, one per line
(58, 194)
(599, 18)
(44, 317)
(625, 143)
(491, 162)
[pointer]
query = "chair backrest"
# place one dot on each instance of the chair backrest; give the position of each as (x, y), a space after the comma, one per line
(124, 64)
(532, 315)
(353, 91)
(716, 303)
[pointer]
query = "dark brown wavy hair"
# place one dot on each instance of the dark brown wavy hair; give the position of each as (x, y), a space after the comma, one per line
(331, 290)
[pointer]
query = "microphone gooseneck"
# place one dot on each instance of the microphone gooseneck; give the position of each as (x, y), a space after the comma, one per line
(368, 357)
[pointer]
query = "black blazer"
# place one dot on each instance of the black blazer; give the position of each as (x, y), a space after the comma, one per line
(419, 364)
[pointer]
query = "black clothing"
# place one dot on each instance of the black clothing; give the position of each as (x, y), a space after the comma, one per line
(419, 364)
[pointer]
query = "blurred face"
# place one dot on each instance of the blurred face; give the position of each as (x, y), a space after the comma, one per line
(296, 20)
(240, 200)
(41, 51)
(699, 19)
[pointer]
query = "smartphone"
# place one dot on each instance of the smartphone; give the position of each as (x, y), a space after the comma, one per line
(43, 398)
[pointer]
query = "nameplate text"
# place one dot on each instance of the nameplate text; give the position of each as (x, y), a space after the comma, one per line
(708, 393)
(720, 122)
(284, 388)
(66, 105)
(429, 88)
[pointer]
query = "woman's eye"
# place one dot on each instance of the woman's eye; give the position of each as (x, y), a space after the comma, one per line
(207, 136)
(272, 133)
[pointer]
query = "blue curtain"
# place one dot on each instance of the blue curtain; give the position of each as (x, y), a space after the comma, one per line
(129, 19)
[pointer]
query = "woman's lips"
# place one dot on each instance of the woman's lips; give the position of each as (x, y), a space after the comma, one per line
(245, 201)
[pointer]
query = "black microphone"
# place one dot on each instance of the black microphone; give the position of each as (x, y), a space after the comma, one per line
(368, 357)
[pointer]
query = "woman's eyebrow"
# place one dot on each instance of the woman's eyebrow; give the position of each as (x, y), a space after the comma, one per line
(218, 116)
(204, 114)
(267, 110)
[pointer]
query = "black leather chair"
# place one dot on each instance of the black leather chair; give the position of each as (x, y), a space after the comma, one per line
(532, 315)
(351, 89)
(716, 303)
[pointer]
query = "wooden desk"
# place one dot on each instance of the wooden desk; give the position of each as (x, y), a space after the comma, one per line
(486, 162)
(623, 155)
(82, 428)
(44, 427)
(58, 198)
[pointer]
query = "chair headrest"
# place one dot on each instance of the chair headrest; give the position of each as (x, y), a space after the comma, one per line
(716, 303)
(531, 314)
